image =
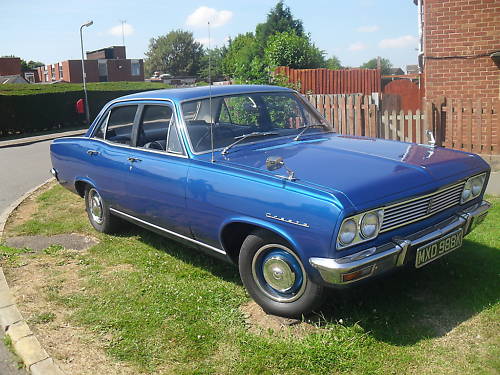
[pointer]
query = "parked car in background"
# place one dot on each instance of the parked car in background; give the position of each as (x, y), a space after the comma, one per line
(254, 175)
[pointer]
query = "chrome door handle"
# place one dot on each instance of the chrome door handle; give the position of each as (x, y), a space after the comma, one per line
(133, 160)
(92, 152)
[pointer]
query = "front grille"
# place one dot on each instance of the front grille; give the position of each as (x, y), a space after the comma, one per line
(419, 208)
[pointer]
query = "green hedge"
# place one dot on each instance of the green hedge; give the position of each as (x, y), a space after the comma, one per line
(37, 108)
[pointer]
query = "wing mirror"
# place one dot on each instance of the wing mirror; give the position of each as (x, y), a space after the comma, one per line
(274, 162)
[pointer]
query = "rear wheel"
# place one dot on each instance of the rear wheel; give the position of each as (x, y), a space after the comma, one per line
(275, 277)
(98, 212)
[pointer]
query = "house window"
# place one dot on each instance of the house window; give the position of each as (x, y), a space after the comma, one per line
(53, 72)
(30, 77)
(102, 66)
(60, 71)
(46, 76)
(135, 67)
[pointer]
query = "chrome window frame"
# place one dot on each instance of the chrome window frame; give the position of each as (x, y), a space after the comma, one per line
(107, 110)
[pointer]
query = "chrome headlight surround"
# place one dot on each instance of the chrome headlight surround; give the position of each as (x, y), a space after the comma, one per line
(359, 228)
(473, 188)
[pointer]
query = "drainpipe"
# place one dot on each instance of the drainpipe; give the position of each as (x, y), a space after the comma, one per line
(420, 35)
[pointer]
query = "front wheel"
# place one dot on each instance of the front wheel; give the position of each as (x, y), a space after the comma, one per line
(275, 276)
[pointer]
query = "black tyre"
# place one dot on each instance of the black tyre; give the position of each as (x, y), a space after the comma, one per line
(275, 277)
(98, 212)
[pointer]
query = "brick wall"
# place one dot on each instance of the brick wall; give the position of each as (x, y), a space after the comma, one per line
(10, 66)
(459, 36)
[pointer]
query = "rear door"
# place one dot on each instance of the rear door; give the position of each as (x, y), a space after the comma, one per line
(107, 153)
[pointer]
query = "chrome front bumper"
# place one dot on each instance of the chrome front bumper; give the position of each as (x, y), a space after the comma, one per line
(377, 260)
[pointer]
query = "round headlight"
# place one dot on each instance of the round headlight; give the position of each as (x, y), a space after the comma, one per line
(467, 191)
(348, 232)
(369, 224)
(477, 186)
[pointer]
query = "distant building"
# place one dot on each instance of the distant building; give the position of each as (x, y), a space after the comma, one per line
(102, 65)
(395, 71)
(10, 66)
(412, 69)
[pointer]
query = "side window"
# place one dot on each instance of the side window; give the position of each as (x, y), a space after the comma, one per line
(120, 122)
(153, 129)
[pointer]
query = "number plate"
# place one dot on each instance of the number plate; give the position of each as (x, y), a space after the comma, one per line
(438, 248)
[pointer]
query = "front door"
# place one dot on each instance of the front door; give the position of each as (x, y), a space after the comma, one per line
(156, 188)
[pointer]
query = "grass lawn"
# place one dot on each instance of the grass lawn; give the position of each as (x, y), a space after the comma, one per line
(169, 309)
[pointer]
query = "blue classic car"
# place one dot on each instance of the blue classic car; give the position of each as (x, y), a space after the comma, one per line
(254, 175)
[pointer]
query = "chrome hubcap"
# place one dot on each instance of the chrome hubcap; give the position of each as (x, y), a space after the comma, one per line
(95, 204)
(278, 272)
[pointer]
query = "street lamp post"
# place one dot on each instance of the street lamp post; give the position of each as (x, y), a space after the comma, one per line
(87, 112)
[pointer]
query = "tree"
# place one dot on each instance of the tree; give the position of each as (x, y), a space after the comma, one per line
(176, 53)
(243, 61)
(279, 20)
(295, 51)
(216, 57)
(333, 63)
(30, 65)
(385, 65)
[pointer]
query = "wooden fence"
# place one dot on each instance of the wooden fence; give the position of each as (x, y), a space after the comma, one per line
(349, 114)
(460, 124)
(469, 125)
(328, 81)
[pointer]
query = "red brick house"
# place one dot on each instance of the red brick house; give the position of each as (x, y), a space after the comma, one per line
(460, 63)
(103, 65)
(459, 39)
(10, 66)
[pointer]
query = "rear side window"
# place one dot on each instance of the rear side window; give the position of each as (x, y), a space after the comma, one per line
(120, 123)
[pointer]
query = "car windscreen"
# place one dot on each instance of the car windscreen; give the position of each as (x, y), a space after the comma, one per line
(234, 116)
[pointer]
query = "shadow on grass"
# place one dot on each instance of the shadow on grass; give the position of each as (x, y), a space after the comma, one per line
(412, 305)
(193, 256)
(402, 308)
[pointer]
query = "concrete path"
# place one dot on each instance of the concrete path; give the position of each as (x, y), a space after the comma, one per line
(21, 168)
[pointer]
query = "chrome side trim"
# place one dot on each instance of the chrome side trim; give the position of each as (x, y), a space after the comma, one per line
(167, 231)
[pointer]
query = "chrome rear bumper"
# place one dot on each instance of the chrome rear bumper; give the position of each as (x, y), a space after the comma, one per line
(377, 260)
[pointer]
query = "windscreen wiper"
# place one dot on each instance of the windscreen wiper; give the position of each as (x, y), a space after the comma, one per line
(304, 128)
(245, 136)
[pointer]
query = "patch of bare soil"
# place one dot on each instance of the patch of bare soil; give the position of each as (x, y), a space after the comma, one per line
(261, 323)
(74, 349)
(27, 208)
(70, 241)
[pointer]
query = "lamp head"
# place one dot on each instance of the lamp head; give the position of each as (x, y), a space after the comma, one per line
(89, 23)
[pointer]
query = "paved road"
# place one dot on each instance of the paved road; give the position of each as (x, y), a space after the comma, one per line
(21, 169)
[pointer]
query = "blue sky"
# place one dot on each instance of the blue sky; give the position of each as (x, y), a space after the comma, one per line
(353, 30)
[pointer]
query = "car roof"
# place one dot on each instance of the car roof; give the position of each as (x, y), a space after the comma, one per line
(202, 92)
